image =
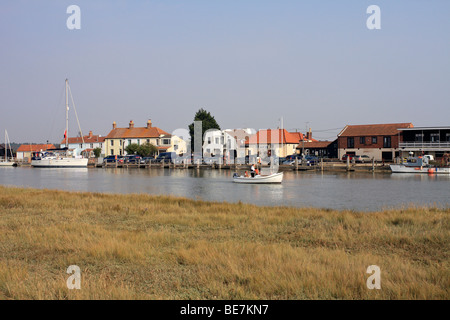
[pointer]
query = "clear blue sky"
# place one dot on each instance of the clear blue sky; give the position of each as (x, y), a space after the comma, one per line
(247, 62)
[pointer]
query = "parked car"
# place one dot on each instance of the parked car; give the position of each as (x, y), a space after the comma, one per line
(118, 159)
(165, 157)
(132, 159)
(311, 160)
(293, 156)
(345, 156)
(148, 160)
(362, 158)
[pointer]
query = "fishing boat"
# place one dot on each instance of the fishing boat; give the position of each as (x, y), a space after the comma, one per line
(5, 162)
(61, 158)
(271, 178)
(418, 165)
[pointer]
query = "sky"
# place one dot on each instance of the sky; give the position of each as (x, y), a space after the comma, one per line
(314, 64)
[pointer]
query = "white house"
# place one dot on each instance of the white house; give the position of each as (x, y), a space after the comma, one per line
(85, 145)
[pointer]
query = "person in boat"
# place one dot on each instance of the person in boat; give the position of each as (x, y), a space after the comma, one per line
(252, 169)
(256, 171)
(246, 174)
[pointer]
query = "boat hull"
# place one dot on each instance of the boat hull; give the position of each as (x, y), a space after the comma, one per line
(273, 178)
(60, 163)
(7, 164)
(398, 168)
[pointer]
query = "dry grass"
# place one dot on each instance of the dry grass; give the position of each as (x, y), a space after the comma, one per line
(155, 247)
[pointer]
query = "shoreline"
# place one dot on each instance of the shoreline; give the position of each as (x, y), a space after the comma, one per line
(162, 247)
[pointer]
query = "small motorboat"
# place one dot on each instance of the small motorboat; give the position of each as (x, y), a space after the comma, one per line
(271, 178)
(418, 165)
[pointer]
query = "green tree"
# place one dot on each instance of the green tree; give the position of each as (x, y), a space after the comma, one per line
(208, 122)
(97, 152)
(132, 148)
(147, 150)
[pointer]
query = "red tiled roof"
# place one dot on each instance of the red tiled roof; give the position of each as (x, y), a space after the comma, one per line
(274, 136)
(143, 132)
(34, 147)
(87, 139)
(388, 129)
(299, 135)
(314, 144)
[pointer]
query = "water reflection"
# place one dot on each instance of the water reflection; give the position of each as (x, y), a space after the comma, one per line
(357, 191)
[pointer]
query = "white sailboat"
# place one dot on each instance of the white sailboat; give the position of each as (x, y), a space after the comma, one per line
(61, 158)
(5, 162)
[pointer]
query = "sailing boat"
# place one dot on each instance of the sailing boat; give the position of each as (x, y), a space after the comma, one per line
(60, 158)
(5, 162)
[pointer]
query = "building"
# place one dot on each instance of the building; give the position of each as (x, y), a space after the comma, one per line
(425, 140)
(119, 138)
(85, 146)
(274, 142)
(322, 149)
(26, 151)
(229, 143)
(378, 141)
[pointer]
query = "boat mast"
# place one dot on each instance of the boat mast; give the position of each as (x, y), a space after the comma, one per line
(67, 117)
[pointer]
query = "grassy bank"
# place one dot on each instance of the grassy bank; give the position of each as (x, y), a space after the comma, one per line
(147, 247)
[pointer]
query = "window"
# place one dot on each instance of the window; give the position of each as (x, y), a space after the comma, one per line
(362, 140)
(374, 140)
(217, 140)
(447, 136)
(92, 146)
(81, 146)
(112, 151)
(350, 142)
(112, 143)
(419, 137)
(386, 142)
(120, 142)
(129, 141)
(434, 137)
(166, 141)
(148, 141)
(139, 142)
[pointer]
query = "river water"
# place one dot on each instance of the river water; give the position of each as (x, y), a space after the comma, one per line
(354, 190)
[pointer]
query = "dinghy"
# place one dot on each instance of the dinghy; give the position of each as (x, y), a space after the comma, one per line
(271, 178)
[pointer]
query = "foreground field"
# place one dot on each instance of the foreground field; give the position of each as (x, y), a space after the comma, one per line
(147, 247)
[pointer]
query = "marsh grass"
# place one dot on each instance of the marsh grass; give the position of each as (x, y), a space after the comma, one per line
(160, 247)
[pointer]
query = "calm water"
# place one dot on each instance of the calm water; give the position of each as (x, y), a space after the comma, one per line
(358, 191)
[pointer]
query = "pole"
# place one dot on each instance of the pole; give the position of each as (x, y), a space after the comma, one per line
(67, 117)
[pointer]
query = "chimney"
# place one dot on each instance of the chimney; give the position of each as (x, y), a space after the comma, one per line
(90, 134)
(131, 124)
(309, 135)
(114, 125)
(149, 124)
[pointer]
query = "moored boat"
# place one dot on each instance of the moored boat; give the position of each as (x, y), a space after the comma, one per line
(418, 165)
(61, 158)
(5, 162)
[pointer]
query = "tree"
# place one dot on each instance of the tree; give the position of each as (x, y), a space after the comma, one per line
(208, 122)
(132, 148)
(97, 152)
(147, 149)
